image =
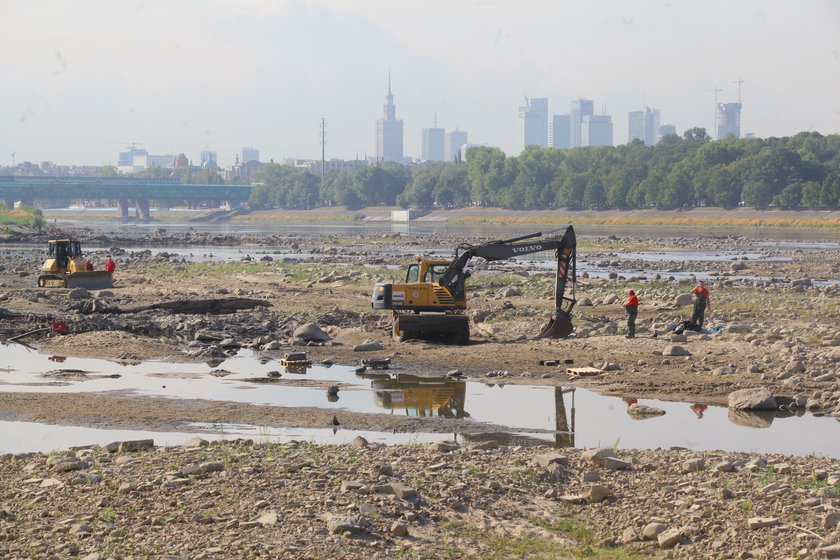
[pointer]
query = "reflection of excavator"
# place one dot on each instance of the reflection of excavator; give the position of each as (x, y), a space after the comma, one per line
(430, 304)
(422, 396)
(65, 268)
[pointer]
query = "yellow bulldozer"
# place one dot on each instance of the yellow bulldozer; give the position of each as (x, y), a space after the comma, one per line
(65, 267)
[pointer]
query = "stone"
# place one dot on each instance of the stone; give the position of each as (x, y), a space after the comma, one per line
(830, 551)
(368, 346)
(795, 366)
(402, 491)
(196, 442)
(399, 529)
(598, 493)
(675, 350)
(268, 519)
(758, 398)
(78, 293)
(590, 476)
(136, 445)
(629, 535)
(693, 465)
(597, 456)
(683, 299)
(311, 332)
(445, 446)
(637, 410)
(551, 459)
(652, 530)
(615, 463)
(761, 522)
(340, 524)
(669, 538)
(359, 442)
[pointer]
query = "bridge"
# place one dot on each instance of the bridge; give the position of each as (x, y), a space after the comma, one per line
(60, 191)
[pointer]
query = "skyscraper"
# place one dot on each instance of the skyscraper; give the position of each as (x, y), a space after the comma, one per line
(580, 109)
(665, 130)
(454, 141)
(596, 130)
(560, 132)
(729, 120)
(433, 148)
(533, 123)
(250, 154)
(643, 125)
(389, 131)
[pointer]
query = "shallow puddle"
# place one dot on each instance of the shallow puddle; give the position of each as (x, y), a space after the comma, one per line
(529, 414)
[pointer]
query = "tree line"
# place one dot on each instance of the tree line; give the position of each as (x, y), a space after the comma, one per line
(801, 171)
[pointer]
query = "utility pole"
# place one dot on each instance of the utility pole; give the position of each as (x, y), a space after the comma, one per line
(323, 146)
(716, 90)
(739, 82)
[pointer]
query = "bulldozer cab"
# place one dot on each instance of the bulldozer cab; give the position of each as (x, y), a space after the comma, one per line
(64, 250)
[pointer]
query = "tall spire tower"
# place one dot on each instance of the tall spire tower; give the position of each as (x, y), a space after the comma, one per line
(389, 131)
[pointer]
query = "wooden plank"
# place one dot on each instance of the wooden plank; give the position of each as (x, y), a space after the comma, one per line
(584, 371)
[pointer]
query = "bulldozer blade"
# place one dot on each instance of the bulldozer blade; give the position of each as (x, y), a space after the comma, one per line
(95, 280)
(559, 326)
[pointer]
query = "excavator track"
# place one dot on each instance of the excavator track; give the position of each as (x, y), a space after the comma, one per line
(451, 329)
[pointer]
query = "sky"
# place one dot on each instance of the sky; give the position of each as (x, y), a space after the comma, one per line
(84, 79)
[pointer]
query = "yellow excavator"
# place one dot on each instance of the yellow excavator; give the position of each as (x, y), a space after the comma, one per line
(430, 304)
(65, 268)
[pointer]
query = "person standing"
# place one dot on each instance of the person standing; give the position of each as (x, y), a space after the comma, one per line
(631, 307)
(701, 303)
(110, 265)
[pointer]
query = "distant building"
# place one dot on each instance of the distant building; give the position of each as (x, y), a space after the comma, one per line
(643, 125)
(126, 158)
(137, 159)
(596, 130)
(728, 120)
(250, 154)
(454, 141)
(161, 161)
(207, 156)
(533, 123)
(433, 144)
(560, 132)
(330, 166)
(580, 109)
(389, 131)
(665, 130)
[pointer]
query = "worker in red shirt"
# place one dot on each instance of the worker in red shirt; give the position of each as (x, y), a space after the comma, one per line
(701, 303)
(110, 265)
(631, 307)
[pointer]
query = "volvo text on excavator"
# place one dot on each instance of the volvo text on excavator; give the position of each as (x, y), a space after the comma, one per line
(430, 304)
(64, 267)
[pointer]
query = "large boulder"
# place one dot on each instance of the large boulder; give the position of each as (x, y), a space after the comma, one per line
(311, 332)
(683, 299)
(758, 398)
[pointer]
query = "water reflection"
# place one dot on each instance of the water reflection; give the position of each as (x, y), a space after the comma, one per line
(422, 397)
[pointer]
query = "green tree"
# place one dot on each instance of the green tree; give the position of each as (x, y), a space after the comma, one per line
(790, 198)
(811, 194)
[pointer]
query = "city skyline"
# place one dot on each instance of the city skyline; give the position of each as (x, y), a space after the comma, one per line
(176, 77)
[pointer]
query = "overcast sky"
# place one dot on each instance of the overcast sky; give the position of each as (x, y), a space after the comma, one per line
(83, 79)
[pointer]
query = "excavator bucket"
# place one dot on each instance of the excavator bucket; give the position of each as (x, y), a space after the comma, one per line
(90, 280)
(560, 326)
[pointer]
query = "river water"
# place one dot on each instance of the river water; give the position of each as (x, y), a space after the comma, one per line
(528, 414)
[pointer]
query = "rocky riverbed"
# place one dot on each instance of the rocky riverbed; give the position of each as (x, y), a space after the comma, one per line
(774, 316)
